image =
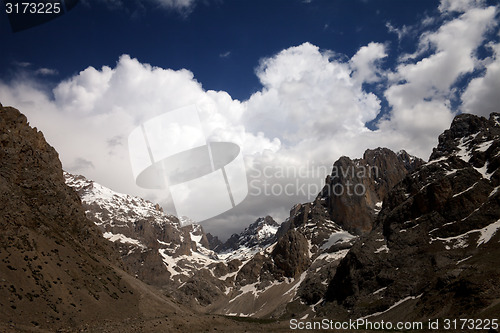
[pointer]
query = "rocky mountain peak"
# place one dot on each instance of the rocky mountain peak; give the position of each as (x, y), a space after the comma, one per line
(466, 127)
(260, 233)
(263, 229)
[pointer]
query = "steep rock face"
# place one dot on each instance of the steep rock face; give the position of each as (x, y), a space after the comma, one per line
(356, 188)
(435, 247)
(353, 194)
(291, 254)
(214, 243)
(56, 270)
(259, 234)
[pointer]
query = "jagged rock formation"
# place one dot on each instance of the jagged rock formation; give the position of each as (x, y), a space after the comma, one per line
(257, 235)
(327, 239)
(356, 188)
(158, 250)
(434, 249)
(214, 243)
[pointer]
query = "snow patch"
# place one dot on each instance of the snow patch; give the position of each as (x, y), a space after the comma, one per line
(266, 231)
(451, 172)
(120, 238)
(484, 146)
(485, 236)
(169, 262)
(383, 248)
(484, 171)
(488, 232)
(442, 158)
(463, 152)
(379, 290)
(462, 260)
(495, 190)
(392, 306)
(332, 256)
(297, 284)
(337, 238)
(470, 188)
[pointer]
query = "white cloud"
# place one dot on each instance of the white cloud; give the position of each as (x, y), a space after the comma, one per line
(421, 87)
(308, 95)
(22, 63)
(459, 5)
(184, 7)
(482, 95)
(365, 62)
(179, 5)
(93, 112)
(46, 71)
(401, 32)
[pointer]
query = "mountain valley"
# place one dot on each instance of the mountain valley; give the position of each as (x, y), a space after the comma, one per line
(420, 243)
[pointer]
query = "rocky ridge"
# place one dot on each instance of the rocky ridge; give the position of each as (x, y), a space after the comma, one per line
(266, 270)
(257, 236)
(56, 270)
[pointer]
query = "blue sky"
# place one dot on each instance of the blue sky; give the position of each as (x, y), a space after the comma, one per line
(295, 84)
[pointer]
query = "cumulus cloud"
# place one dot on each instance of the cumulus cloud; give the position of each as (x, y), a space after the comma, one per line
(308, 95)
(421, 87)
(481, 96)
(93, 112)
(365, 62)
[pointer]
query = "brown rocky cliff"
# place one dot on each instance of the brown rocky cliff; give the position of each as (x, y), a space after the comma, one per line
(445, 217)
(356, 187)
(56, 270)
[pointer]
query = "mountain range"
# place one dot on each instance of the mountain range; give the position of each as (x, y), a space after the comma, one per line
(418, 241)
